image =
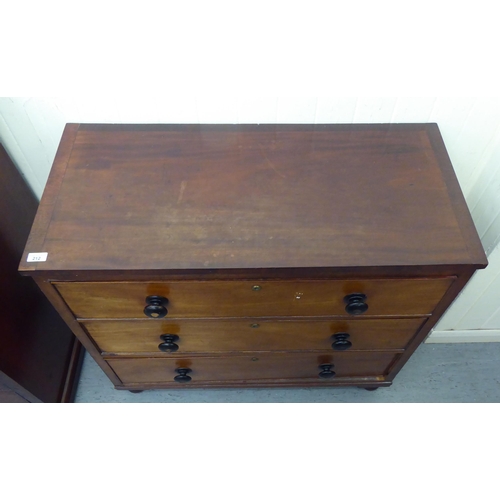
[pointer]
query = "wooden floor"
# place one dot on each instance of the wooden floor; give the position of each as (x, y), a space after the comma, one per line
(448, 373)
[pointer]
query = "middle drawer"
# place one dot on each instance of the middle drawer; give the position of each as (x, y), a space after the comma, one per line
(202, 336)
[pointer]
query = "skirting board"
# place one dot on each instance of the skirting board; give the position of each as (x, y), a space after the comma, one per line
(455, 336)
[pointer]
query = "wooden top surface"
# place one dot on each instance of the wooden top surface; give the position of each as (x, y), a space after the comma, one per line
(177, 197)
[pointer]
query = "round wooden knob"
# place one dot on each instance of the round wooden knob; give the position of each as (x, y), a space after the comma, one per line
(326, 371)
(183, 375)
(156, 306)
(168, 344)
(356, 303)
(340, 341)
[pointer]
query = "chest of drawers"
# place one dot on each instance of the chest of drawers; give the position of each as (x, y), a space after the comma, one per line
(252, 255)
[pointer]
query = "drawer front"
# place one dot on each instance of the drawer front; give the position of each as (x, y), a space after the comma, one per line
(202, 299)
(305, 366)
(196, 336)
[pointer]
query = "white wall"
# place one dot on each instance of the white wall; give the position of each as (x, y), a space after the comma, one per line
(475, 315)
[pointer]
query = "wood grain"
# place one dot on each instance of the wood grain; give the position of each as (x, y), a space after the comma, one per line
(209, 336)
(135, 197)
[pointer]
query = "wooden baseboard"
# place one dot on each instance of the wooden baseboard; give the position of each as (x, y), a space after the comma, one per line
(457, 336)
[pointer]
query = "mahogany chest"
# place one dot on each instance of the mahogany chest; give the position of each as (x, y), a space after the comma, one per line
(252, 255)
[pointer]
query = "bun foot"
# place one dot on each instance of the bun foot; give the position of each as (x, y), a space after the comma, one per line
(134, 392)
(369, 388)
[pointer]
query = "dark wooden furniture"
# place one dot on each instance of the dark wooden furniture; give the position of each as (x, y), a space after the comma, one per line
(39, 356)
(252, 255)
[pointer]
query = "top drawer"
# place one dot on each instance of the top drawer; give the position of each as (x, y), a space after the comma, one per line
(202, 299)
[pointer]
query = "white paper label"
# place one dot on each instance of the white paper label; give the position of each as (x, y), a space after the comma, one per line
(37, 257)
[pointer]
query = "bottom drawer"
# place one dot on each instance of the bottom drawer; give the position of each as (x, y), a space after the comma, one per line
(288, 366)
